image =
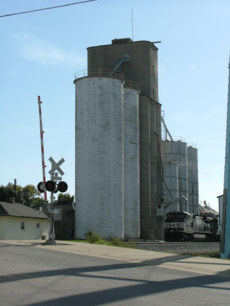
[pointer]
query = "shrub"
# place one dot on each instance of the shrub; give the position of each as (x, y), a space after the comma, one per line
(93, 237)
(117, 242)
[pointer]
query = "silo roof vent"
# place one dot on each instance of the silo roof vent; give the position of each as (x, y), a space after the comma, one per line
(121, 41)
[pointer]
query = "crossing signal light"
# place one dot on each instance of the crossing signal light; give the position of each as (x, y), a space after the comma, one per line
(56, 189)
(50, 186)
(62, 186)
(40, 187)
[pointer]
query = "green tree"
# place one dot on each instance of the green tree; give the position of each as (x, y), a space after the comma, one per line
(28, 195)
(6, 192)
(65, 198)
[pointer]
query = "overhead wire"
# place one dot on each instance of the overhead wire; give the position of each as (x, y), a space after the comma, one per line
(47, 8)
(70, 164)
(70, 134)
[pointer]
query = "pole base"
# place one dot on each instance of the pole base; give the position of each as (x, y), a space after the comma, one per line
(51, 242)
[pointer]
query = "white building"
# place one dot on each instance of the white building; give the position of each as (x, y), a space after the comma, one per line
(19, 222)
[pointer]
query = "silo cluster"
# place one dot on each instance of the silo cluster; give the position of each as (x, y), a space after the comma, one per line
(180, 164)
(119, 153)
(140, 142)
(107, 157)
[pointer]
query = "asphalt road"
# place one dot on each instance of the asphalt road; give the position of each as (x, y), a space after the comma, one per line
(33, 276)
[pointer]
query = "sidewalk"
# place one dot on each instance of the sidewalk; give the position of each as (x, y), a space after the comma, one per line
(202, 265)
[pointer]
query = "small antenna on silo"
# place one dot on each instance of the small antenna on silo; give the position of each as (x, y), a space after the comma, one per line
(132, 23)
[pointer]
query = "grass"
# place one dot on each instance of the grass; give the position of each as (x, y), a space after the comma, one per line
(79, 240)
(94, 238)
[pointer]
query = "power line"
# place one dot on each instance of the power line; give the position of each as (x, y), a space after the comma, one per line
(47, 8)
(67, 140)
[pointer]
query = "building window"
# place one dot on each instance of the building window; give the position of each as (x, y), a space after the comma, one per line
(22, 226)
(38, 226)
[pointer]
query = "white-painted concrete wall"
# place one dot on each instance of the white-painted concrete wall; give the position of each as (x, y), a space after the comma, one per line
(10, 228)
(131, 164)
(3, 228)
(99, 157)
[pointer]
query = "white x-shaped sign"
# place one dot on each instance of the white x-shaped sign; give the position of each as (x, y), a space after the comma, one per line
(56, 166)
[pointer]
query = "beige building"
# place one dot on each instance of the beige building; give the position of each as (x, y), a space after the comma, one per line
(19, 222)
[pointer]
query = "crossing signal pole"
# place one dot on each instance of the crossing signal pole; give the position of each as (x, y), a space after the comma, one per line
(53, 187)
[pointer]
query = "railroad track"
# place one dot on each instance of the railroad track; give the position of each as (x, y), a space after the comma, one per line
(179, 247)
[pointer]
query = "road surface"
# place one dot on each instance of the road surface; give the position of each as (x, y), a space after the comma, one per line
(36, 276)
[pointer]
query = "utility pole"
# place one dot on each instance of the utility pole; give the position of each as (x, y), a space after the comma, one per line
(15, 185)
(225, 230)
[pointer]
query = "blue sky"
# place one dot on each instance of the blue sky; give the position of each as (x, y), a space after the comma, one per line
(40, 52)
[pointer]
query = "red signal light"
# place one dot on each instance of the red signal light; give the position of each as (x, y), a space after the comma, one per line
(50, 186)
(62, 186)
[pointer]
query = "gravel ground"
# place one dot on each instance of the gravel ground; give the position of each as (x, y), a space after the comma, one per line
(180, 247)
(171, 247)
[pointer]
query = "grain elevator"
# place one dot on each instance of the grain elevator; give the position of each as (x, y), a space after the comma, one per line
(123, 168)
(118, 141)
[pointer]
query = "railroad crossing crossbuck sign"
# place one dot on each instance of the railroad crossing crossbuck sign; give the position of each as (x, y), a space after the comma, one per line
(56, 166)
(51, 185)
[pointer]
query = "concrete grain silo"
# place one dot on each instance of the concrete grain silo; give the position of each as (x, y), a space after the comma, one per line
(171, 177)
(131, 161)
(99, 157)
(176, 152)
(138, 60)
(193, 180)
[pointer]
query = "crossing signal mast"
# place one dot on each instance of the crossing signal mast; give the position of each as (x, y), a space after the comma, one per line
(51, 185)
